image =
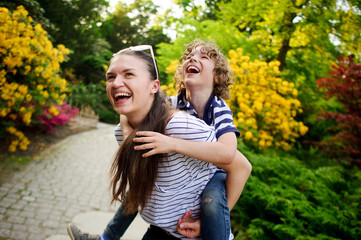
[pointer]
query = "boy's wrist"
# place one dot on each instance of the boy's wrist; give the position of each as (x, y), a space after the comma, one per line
(176, 145)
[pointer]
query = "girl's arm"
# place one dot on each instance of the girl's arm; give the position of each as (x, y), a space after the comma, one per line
(125, 126)
(220, 152)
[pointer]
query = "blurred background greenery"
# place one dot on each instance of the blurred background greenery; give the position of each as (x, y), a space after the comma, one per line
(305, 180)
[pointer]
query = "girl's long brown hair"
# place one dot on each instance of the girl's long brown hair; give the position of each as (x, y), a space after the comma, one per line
(129, 168)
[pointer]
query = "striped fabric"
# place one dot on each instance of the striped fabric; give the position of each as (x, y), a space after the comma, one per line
(181, 179)
(216, 113)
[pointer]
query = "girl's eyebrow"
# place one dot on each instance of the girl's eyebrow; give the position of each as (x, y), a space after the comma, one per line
(124, 70)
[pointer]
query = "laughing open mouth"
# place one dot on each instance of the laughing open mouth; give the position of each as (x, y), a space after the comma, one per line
(119, 96)
(192, 69)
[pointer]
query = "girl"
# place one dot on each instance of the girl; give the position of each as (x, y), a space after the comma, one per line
(163, 186)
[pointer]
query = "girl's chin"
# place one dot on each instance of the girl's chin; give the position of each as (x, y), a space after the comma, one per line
(119, 109)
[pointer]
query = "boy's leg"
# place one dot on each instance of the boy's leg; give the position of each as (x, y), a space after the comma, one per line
(118, 224)
(215, 216)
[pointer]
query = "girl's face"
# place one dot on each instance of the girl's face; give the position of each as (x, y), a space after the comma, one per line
(198, 70)
(130, 88)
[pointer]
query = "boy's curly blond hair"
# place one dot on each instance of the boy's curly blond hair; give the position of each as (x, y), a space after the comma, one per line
(222, 71)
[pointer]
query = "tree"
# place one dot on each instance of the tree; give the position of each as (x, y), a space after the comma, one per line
(223, 34)
(344, 84)
(130, 26)
(77, 27)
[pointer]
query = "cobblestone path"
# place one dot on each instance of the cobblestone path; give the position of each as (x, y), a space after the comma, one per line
(69, 178)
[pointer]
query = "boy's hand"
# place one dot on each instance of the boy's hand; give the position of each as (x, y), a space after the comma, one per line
(156, 142)
(188, 226)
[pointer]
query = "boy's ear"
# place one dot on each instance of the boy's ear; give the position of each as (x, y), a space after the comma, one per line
(155, 87)
(215, 80)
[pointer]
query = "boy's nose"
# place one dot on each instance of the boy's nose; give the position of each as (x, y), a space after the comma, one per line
(193, 59)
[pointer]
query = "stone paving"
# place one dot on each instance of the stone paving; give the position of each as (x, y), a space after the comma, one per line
(69, 179)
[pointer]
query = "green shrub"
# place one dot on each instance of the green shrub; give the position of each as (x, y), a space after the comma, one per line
(94, 95)
(286, 199)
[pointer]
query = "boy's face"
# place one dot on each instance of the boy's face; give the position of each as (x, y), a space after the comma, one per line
(197, 70)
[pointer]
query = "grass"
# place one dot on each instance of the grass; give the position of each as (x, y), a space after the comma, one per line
(10, 164)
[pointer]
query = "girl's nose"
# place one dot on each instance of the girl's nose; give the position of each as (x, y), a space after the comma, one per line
(118, 81)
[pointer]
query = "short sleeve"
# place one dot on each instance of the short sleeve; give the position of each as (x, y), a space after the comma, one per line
(223, 119)
(118, 134)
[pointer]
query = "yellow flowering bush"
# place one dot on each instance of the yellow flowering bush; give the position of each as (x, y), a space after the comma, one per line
(264, 106)
(170, 89)
(29, 73)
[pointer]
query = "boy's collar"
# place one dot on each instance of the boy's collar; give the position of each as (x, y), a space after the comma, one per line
(184, 104)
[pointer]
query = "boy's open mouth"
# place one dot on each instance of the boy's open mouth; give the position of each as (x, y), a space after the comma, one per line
(192, 69)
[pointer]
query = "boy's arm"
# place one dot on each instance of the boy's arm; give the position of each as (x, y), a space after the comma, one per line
(237, 175)
(220, 152)
(238, 168)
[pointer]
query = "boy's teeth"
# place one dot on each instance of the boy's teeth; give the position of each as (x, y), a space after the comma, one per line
(192, 69)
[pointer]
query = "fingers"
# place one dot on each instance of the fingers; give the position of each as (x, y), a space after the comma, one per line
(186, 217)
(148, 154)
(144, 146)
(189, 227)
(189, 230)
(142, 139)
(146, 133)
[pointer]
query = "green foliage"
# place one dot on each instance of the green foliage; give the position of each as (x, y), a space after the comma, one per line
(305, 36)
(224, 35)
(129, 26)
(33, 8)
(96, 61)
(286, 199)
(94, 95)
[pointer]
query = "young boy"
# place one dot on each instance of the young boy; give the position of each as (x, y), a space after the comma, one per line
(203, 79)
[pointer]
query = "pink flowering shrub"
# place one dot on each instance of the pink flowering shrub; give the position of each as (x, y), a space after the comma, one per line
(57, 115)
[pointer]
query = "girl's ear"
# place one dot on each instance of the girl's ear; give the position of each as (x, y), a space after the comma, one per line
(155, 86)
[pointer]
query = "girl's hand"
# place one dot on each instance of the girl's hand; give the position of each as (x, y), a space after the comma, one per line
(156, 142)
(188, 226)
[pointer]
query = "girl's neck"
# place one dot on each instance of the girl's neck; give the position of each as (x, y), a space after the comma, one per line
(136, 118)
(135, 121)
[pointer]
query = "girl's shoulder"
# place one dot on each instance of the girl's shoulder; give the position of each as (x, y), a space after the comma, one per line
(186, 126)
(180, 116)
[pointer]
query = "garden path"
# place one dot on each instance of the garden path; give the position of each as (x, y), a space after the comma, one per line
(67, 183)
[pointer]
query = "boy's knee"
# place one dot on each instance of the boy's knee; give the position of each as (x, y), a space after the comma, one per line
(213, 196)
(209, 207)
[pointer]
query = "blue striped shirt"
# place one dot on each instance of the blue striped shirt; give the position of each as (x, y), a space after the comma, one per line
(216, 113)
(181, 179)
